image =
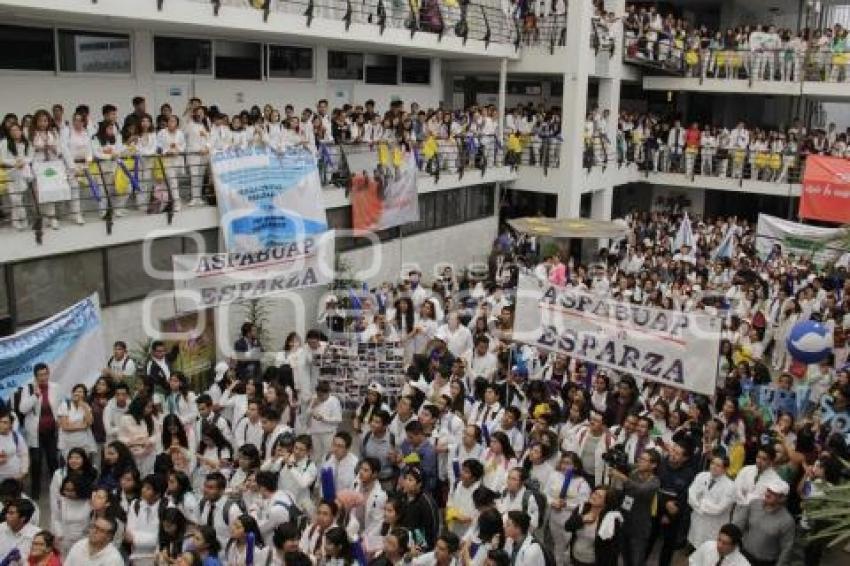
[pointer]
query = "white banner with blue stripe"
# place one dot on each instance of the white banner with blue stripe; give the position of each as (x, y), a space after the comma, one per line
(70, 343)
(267, 199)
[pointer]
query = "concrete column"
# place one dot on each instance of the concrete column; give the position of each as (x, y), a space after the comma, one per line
(600, 209)
(503, 89)
(574, 104)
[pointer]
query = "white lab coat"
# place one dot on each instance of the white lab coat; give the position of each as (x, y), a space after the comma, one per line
(710, 507)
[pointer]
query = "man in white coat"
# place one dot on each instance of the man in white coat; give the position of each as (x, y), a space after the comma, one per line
(752, 481)
(711, 497)
(97, 549)
(371, 514)
(41, 433)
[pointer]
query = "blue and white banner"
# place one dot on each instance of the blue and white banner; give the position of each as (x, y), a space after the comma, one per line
(70, 343)
(267, 199)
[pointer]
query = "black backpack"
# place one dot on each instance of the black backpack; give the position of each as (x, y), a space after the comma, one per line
(532, 490)
(16, 402)
(297, 517)
(228, 505)
(548, 555)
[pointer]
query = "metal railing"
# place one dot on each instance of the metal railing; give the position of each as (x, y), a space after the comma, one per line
(104, 190)
(482, 20)
(784, 64)
(710, 161)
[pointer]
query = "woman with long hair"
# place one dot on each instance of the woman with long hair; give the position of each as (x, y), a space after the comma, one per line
(16, 155)
(248, 461)
(373, 402)
(138, 430)
(77, 463)
(43, 550)
(490, 527)
(108, 148)
(337, 548)
(404, 322)
(566, 490)
(179, 494)
(130, 486)
(174, 538)
(46, 146)
(595, 528)
(206, 545)
(234, 401)
(175, 443)
(214, 453)
(116, 460)
(499, 459)
(237, 547)
(70, 513)
(75, 420)
(180, 401)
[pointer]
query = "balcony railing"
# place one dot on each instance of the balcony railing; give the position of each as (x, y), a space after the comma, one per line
(740, 164)
(156, 184)
(785, 65)
(482, 20)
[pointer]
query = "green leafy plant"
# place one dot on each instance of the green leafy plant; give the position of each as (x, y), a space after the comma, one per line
(829, 514)
(258, 313)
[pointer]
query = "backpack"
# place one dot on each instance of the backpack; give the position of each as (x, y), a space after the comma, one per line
(297, 517)
(548, 555)
(532, 490)
(228, 505)
(16, 402)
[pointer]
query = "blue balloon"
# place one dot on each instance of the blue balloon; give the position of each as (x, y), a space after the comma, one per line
(809, 342)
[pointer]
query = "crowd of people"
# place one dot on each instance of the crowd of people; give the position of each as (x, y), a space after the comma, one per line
(755, 52)
(141, 160)
(657, 144)
(492, 452)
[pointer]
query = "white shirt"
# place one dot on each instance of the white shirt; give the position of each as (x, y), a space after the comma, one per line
(458, 341)
(344, 470)
(144, 526)
(220, 524)
(20, 540)
(750, 485)
(246, 432)
(274, 511)
(707, 555)
(330, 411)
(529, 554)
(80, 553)
(711, 501)
(14, 447)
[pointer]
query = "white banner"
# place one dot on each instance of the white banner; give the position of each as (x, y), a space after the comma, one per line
(796, 238)
(210, 280)
(70, 343)
(51, 181)
(670, 347)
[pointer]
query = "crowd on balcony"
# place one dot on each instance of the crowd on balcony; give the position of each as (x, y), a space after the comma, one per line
(141, 160)
(670, 145)
(755, 52)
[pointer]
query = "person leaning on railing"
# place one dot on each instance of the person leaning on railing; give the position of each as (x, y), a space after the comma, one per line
(16, 154)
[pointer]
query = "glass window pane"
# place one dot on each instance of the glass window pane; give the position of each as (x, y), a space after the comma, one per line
(238, 60)
(27, 49)
(343, 65)
(93, 52)
(415, 70)
(480, 202)
(182, 56)
(128, 278)
(43, 287)
(381, 69)
(290, 62)
(4, 292)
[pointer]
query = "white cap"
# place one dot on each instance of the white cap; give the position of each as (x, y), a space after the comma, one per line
(376, 387)
(777, 486)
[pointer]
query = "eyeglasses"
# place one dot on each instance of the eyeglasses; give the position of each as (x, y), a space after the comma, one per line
(94, 527)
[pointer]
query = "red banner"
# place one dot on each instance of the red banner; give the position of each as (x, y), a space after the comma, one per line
(826, 189)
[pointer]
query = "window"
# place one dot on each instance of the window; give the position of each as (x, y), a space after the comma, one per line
(46, 286)
(4, 293)
(290, 62)
(27, 49)
(128, 278)
(480, 202)
(238, 60)
(381, 69)
(416, 71)
(343, 65)
(340, 219)
(450, 208)
(426, 216)
(93, 52)
(182, 56)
